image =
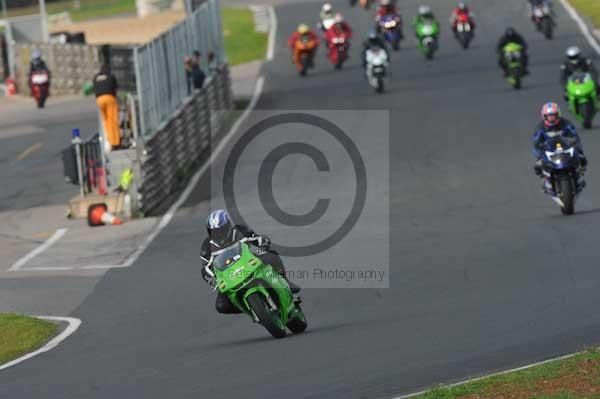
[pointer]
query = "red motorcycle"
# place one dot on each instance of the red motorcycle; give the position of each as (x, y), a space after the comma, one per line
(339, 45)
(40, 87)
(464, 30)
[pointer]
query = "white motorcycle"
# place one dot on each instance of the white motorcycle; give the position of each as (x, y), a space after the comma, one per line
(376, 70)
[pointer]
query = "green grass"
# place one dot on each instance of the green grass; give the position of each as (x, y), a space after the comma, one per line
(591, 8)
(22, 334)
(242, 43)
(81, 10)
(575, 371)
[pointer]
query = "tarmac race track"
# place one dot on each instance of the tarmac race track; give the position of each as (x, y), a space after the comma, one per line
(485, 272)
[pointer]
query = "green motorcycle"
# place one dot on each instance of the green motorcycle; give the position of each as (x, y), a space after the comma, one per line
(427, 32)
(256, 289)
(513, 62)
(582, 97)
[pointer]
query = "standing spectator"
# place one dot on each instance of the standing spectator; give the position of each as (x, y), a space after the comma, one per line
(105, 89)
(189, 67)
(213, 65)
(198, 75)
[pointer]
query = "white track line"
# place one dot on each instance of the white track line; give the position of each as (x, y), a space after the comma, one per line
(492, 375)
(47, 244)
(585, 30)
(166, 219)
(53, 343)
(272, 33)
(582, 25)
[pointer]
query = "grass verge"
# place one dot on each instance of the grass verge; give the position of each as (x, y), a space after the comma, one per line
(81, 10)
(591, 8)
(576, 377)
(242, 43)
(22, 334)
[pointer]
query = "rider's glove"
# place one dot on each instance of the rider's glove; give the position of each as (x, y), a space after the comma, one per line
(264, 242)
(537, 168)
(205, 276)
(583, 163)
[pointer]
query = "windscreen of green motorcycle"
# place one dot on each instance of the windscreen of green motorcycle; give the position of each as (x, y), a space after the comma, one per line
(580, 78)
(228, 257)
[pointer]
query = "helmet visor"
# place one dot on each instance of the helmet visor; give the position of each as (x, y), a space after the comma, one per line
(551, 119)
(221, 234)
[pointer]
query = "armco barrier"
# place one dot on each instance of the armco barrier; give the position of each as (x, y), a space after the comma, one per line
(183, 141)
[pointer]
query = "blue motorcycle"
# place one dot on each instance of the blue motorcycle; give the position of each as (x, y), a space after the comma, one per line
(390, 26)
(562, 172)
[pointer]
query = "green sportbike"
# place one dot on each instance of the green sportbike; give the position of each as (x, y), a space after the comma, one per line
(256, 289)
(513, 62)
(582, 97)
(427, 31)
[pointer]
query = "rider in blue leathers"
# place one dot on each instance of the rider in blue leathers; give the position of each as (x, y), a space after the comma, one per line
(553, 125)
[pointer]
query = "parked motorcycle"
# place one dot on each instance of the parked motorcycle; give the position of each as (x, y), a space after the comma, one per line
(40, 87)
(464, 31)
(256, 289)
(563, 178)
(543, 21)
(513, 62)
(376, 70)
(582, 97)
(390, 26)
(427, 36)
(304, 50)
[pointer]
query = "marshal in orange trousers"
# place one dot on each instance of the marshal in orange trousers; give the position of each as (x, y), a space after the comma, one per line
(109, 110)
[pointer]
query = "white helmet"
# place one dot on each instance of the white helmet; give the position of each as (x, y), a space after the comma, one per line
(327, 8)
(385, 2)
(424, 10)
(573, 54)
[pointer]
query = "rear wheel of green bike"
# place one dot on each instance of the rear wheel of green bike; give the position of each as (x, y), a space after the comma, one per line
(298, 324)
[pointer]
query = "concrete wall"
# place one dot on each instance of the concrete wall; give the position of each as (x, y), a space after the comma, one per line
(71, 65)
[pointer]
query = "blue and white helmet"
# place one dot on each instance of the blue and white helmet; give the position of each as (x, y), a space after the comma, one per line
(219, 226)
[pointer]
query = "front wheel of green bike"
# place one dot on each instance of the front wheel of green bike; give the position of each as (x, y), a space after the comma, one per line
(267, 317)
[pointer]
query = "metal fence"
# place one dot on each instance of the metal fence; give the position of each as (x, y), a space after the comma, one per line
(92, 166)
(160, 73)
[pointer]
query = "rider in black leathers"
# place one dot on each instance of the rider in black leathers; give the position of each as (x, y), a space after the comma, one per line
(577, 63)
(511, 36)
(37, 64)
(373, 41)
(223, 233)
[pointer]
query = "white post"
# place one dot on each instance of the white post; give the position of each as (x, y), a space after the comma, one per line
(4, 13)
(44, 20)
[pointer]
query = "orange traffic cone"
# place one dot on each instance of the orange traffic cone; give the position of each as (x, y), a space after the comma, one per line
(98, 215)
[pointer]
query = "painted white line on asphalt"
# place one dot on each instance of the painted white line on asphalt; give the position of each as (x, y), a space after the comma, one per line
(47, 244)
(272, 33)
(594, 43)
(582, 25)
(73, 325)
(456, 384)
(166, 219)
